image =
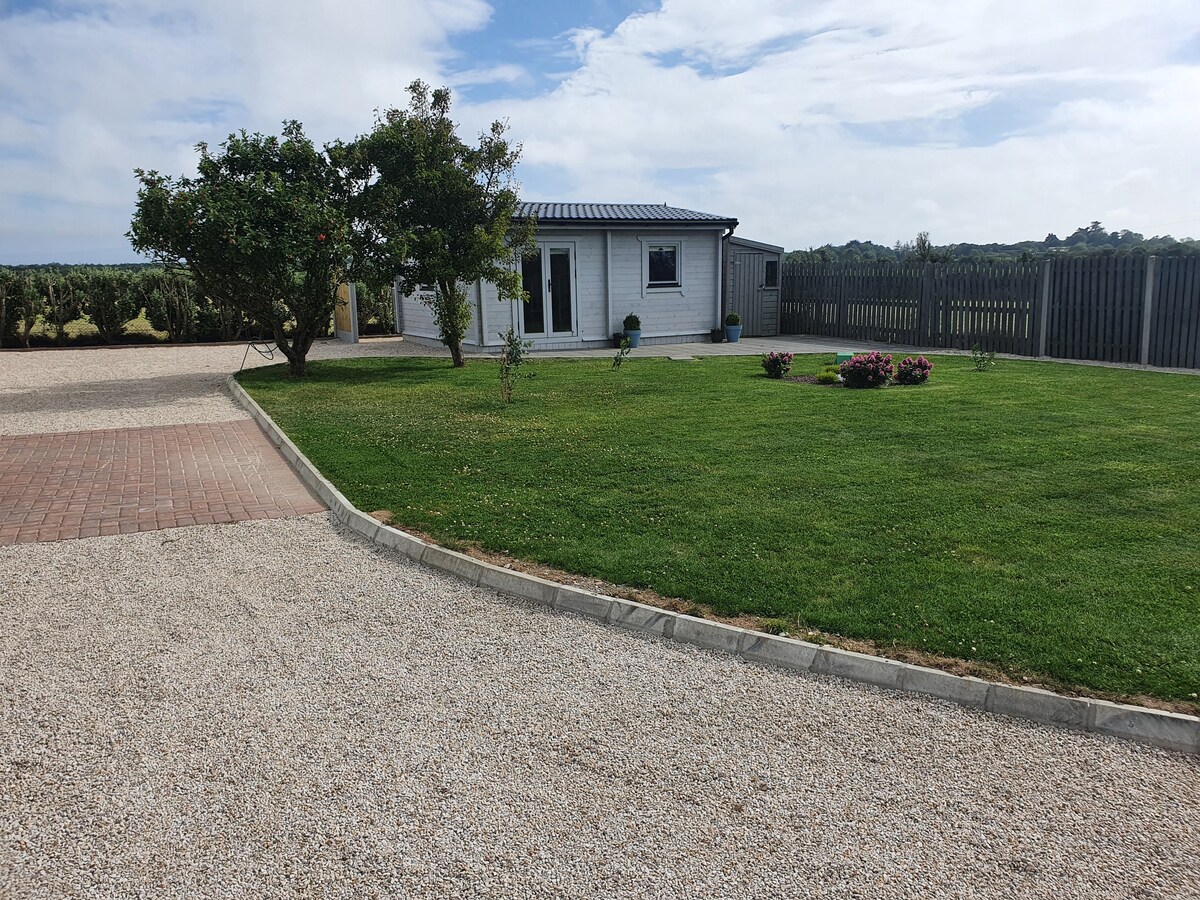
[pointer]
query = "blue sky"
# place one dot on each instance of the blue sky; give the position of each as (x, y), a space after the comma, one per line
(811, 122)
(532, 35)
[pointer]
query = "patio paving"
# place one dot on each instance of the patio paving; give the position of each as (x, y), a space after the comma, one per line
(120, 480)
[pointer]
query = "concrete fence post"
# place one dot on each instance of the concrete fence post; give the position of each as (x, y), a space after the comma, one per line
(1043, 305)
(924, 302)
(1148, 308)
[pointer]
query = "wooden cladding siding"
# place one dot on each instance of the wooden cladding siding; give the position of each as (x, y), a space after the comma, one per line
(1133, 309)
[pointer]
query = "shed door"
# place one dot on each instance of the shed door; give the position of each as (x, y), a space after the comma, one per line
(746, 302)
(754, 283)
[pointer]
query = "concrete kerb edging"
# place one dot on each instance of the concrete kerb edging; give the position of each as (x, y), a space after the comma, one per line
(1158, 728)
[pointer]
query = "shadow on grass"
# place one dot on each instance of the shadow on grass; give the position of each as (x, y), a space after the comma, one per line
(346, 372)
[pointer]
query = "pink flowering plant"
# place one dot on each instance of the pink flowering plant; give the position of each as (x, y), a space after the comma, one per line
(913, 371)
(776, 364)
(867, 370)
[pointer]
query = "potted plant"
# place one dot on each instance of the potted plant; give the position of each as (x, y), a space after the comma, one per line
(717, 335)
(733, 328)
(633, 329)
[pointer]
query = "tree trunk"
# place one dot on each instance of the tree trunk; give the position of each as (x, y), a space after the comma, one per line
(295, 350)
(456, 354)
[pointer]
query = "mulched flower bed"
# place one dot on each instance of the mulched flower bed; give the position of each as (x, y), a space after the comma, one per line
(809, 379)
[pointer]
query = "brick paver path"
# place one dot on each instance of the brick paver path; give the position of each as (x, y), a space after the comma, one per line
(82, 484)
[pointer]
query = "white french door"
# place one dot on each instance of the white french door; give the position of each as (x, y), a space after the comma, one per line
(548, 276)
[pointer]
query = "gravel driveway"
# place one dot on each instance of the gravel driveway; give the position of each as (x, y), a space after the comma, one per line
(277, 708)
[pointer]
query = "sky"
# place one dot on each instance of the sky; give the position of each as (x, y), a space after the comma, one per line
(810, 121)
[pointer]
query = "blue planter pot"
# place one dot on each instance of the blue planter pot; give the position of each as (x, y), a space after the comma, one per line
(733, 333)
(635, 337)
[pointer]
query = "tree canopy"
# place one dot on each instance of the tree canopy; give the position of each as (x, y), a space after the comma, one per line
(263, 227)
(431, 209)
(270, 226)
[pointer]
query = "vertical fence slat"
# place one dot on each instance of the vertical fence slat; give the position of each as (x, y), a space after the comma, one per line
(1174, 342)
(1126, 307)
(1190, 356)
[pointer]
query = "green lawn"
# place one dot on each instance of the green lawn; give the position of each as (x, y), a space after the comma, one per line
(1040, 518)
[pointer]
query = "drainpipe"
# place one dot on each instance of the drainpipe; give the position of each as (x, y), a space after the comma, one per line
(722, 250)
(608, 298)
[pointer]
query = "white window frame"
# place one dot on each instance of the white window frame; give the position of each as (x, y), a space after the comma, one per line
(544, 246)
(662, 288)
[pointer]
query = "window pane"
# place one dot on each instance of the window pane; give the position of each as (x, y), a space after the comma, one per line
(772, 274)
(560, 290)
(664, 267)
(533, 310)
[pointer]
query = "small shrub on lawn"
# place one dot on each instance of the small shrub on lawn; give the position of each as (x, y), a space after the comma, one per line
(828, 377)
(982, 361)
(776, 364)
(511, 357)
(913, 371)
(622, 352)
(867, 370)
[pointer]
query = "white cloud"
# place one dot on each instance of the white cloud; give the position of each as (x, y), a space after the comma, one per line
(489, 75)
(810, 121)
(760, 102)
(89, 92)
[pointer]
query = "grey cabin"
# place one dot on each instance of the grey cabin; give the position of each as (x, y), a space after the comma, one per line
(595, 263)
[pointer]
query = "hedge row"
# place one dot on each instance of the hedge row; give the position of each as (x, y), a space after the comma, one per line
(99, 304)
(108, 305)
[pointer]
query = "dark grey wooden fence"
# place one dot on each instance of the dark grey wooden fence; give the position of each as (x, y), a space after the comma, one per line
(1173, 332)
(1134, 309)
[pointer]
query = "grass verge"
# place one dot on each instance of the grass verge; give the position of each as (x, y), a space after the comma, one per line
(1039, 518)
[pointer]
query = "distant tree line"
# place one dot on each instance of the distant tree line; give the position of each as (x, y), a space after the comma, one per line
(65, 268)
(1090, 240)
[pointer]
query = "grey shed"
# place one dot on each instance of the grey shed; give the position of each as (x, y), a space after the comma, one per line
(752, 273)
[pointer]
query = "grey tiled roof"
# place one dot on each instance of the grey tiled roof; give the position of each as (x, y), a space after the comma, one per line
(616, 212)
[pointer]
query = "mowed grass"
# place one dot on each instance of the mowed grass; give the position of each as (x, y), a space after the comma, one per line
(1041, 518)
